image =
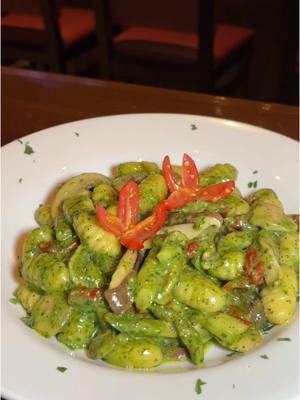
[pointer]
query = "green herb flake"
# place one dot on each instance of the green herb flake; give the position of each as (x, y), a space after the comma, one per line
(28, 321)
(61, 369)
(264, 356)
(252, 184)
(266, 328)
(76, 133)
(255, 172)
(284, 339)
(20, 180)
(14, 300)
(233, 386)
(234, 353)
(193, 127)
(28, 149)
(198, 388)
(20, 141)
(297, 298)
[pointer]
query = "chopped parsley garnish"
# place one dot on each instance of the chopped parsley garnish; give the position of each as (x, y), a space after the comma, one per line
(234, 353)
(20, 141)
(76, 133)
(28, 321)
(28, 149)
(193, 127)
(264, 356)
(252, 184)
(14, 300)
(198, 388)
(61, 369)
(266, 328)
(284, 339)
(20, 180)
(255, 172)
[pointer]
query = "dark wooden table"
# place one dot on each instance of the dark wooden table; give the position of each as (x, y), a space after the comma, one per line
(34, 100)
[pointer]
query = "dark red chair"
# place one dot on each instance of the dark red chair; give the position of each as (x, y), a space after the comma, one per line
(175, 43)
(41, 31)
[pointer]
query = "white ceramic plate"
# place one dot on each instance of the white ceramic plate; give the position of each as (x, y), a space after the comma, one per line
(30, 361)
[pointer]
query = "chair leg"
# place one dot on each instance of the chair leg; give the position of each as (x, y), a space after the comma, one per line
(57, 65)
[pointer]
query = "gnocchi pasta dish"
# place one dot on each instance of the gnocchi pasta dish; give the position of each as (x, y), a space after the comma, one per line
(156, 262)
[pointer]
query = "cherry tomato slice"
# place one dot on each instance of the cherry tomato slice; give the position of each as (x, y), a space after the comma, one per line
(134, 237)
(169, 175)
(129, 204)
(179, 198)
(211, 193)
(215, 192)
(108, 221)
(190, 176)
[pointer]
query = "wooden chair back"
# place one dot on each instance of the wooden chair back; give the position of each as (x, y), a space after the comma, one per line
(33, 40)
(196, 16)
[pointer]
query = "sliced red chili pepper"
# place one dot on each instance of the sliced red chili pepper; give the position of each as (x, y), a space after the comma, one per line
(44, 247)
(145, 229)
(92, 294)
(215, 192)
(190, 175)
(236, 285)
(212, 193)
(257, 276)
(109, 221)
(132, 242)
(179, 198)
(169, 175)
(250, 260)
(129, 204)
(191, 248)
(236, 313)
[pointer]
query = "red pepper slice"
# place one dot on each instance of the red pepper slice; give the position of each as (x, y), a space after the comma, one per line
(250, 260)
(44, 247)
(192, 248)
(235, 312)
(169, 175)
(211, 193)
(240, 284)
(187, 190)
(179, 198)
(129, 204)
(190, 176)
(133, 238)
(215, 192)
(257, 277)
(108, 221)
(254, 269)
